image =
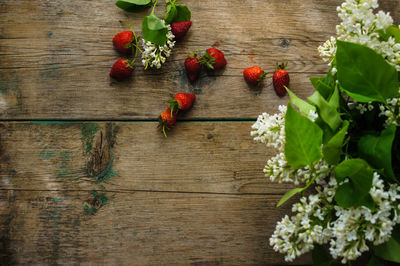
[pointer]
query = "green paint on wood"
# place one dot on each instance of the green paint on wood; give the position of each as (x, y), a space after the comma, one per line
(99, 200)
(49, 33)
(65, 170)
(55, 122)
(88, 131)
(46, 155)
(107, 174)
(56, 199)
(49, 72)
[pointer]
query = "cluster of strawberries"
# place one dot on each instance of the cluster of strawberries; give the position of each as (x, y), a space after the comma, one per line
(280, 79)
(179, 102)
(212, 59)
(126, 43)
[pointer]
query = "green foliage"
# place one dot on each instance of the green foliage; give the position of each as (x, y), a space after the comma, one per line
(133, 5)
(288, 195)
(355, 192)
(303, 106)
(321, 256)
(303, 140)
(333, 149)
(389, 250)
(391, 31)
(154, 30)
(377, 150)
(324, 85)
(364, 74)
(177, 13)
(327, 112)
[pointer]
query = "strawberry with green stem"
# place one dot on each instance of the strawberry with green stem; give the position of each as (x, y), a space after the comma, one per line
(213, 59)
(193, 66)
(167, 120)
(281, 79)
(181, 101)
(254, 75)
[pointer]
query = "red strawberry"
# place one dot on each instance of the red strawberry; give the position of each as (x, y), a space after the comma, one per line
(121, 69)
(281, 79)
(193, 66)
(181, 101)
(254, 75)
(123, 41)
(179, 29)
(214, 59)
(167, 120)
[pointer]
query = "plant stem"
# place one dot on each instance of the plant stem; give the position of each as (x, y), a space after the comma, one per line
(154, 6)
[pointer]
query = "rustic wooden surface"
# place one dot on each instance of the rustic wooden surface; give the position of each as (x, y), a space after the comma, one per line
(86, 178)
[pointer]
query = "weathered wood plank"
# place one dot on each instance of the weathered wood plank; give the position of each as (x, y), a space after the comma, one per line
(56, 57)
(196, 157)
(141, 228)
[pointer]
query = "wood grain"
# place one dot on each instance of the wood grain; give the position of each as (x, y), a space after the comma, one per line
(56, 56)
(196, 157)
(203, 203)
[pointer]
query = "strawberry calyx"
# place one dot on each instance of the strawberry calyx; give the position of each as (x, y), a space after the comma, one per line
(282, 66)
(207, 60)
(174, 104)
(261, 77)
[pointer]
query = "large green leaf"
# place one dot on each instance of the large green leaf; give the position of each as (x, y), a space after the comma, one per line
(347, 195)
(154, 30)
(133, 5)
(171, 14)
(377, 150)
(183, 13)
(365, 73)
(303, 139)
(333, 149)
(323, 88)
(328, 113)
(303, 106)
(356, 191)
(389, 250)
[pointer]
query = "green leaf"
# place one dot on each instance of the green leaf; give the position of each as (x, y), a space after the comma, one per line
(319, 84)
(303, 106)
(171, 14)
(321, 256)
(363, 72)
(154, 30)
(303, 139)
(327, 112)
(374, 261)
(333, 149)
(391, 31)
(288, 195)
(356, 191)
(334, 100)
(347, 195)
(183, 13)
(133, 5)
(389, 250)
(377, 150)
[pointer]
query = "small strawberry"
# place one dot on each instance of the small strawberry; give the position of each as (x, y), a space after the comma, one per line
(121, 69)
(179, 29)
(167, 120)
(123, 42)
(213, 59)
(193, 66)
(254, 75)
(281, 79)
(181, 101)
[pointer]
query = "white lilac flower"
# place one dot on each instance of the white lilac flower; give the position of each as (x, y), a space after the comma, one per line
(154, 55)
(360, 25)
(313, 223)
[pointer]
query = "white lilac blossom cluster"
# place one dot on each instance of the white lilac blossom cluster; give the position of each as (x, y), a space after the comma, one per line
(319, 221)
(270, 130)
(154, 55)
(361, 25)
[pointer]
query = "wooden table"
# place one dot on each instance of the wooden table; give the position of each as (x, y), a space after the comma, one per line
(87, 178)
